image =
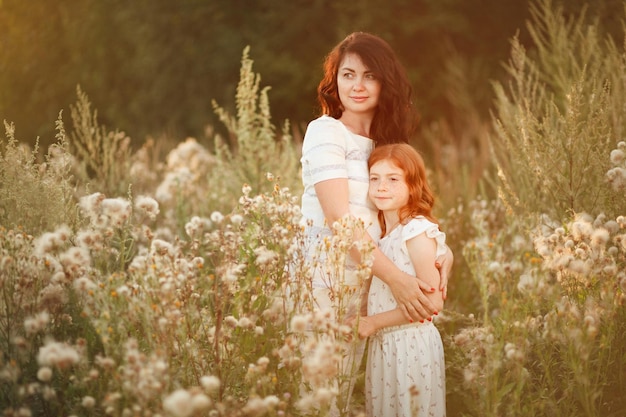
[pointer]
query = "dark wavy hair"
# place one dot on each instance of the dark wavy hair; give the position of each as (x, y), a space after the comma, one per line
(421, 197)
(395, 119)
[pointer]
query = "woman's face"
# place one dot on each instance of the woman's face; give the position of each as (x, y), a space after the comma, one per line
(358, 87)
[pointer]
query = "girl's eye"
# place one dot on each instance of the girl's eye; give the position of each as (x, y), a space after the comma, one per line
(370, 76)
(348, 75)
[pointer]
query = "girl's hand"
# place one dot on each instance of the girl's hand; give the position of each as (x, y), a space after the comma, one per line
(366, 327)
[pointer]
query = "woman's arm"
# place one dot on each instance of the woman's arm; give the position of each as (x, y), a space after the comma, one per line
(407, 290)
(422, 250)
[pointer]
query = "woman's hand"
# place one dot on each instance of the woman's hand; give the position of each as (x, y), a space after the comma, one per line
(444, 265)
(409, 294)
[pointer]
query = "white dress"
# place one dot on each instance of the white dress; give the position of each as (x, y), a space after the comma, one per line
(405, 374)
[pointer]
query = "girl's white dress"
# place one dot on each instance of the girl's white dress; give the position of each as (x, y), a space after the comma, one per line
(405, 374)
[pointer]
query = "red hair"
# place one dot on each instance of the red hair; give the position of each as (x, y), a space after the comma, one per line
(395, 119)
(421, 198)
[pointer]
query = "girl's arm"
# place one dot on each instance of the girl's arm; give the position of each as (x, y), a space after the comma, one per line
(422, 251)
(407, 290)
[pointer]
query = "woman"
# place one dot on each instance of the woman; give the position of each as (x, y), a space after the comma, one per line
(365, 98)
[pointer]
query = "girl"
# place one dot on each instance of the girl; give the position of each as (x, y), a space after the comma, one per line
(405, 373)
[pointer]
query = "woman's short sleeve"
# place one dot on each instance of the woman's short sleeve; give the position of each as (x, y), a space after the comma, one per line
(324, 150)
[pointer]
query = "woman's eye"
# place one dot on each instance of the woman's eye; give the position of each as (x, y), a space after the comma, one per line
(370, 76)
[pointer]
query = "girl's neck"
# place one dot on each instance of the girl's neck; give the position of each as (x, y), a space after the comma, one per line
(392, 220)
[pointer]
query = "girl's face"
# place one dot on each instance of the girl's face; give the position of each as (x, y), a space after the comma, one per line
(388, 188)
(357, 86)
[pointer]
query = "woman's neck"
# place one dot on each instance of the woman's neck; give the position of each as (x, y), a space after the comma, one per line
(357, 123)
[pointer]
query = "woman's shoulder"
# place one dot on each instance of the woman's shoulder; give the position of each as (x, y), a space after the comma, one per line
(324, 121)
(324, 129)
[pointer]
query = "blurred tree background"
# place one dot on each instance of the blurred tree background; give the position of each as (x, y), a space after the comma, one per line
(152, 67)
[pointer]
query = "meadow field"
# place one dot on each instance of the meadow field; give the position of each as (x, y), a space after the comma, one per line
(166, 280)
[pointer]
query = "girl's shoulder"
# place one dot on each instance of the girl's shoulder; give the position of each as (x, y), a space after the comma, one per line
(420, 224)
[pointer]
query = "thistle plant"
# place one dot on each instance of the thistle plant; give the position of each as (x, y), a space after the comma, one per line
(104, 155)
(556, 120)
(254, 145)
(35, 196)
(547, 257)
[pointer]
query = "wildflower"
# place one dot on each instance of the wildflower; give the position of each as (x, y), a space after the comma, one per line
(581, 227)
(322, 364)
(24, 412)
(90, 204)
(210, 383)
(265, 256)
(44, 374)
(599, 237)
(75, 259)
(200, 402)
(52, 241)
(617, 157)
(147, 205)
(217, 217)
(57, 354)
(324, 396)
(117, 210)
(37, 323)
(255, 407)
(197, 226)
(526, 283)
(90, 239)
(190, 154)
(52, 296)
(178, 403)
(174, 183)
(617, 177)
(88, 402)
(236, 219)
(512, 353)
(230, 321)
(299, 324)
(246, 189)
(161, 247)
(245, 323)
